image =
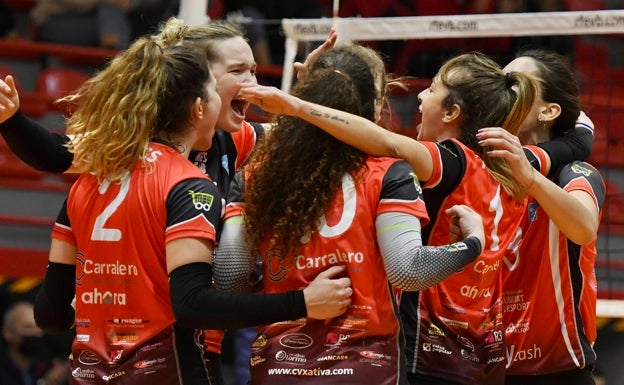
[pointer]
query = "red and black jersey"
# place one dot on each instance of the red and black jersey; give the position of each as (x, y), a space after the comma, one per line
(125, 327)
(550, 288)
(229, 151)
(454, 330)
(364, 344)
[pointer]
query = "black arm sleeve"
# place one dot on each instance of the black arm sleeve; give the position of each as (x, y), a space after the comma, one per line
(574, 145)
(35, 145)
(53, 310)
(197, 305)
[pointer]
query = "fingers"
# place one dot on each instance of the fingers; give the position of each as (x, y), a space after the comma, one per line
(333, 271)
(495, 133)
(7, 84)
(302, 68)
(331, 39)
(457, 210)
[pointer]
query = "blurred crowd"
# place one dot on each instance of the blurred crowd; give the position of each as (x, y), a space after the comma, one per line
(115, 23)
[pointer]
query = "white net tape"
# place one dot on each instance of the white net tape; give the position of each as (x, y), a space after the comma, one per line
(458, 26)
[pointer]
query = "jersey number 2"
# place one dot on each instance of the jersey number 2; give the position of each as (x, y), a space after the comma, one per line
(101, 233)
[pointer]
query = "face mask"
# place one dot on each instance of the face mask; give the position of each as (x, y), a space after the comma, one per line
(32, 346)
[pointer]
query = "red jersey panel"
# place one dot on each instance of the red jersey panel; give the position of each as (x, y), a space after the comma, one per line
(455, 329)
(124, 318)
(363, 345)
(245, 141)
(550, 288)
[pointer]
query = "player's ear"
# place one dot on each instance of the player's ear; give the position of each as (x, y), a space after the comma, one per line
(549, 112)
(197, 111)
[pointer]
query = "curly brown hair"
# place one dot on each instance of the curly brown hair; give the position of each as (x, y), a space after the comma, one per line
(298, 170)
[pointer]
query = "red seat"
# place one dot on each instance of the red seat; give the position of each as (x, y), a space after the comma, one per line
(21, 5)
(12, 167)
(56, 83)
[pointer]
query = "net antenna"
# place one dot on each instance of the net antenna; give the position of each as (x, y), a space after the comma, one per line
(444, 26)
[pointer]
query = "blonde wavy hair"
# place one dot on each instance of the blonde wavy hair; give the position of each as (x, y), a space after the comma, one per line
(145, 93)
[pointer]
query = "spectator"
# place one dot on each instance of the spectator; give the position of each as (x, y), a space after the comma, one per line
(108, 24)
(144, 16)
(26, 359)
(274, 11)
(252, 19)
(7, 20)
(563, 45)
(101, 24)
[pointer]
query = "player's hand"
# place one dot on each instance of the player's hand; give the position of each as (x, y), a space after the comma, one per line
(9, 98)
(328, 297)
(270, 99)
(465, 222)
(302, 69)
(507, 146)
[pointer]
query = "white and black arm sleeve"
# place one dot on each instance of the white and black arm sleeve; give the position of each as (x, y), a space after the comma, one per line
(410, 266)
(233, 263)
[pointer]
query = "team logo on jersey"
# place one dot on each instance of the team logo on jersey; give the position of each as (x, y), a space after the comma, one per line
(578, 169)
(97, 297)
(290, 357)
(532, 212)
(114, 356)
(80, 257)
(339, 357)
(82, 322)
(117, 337)
(201, 200)
(416, 182)
(435, 331)
(435, 348)
(336, 338)
(296, 341)
(260, 341)
(371, 355)
(83, 373)
(114, 375)
(277, 264)
(255, 360)
(467, 349)
(87, 357)
(225, 163)
(146, 364)
(83, 337)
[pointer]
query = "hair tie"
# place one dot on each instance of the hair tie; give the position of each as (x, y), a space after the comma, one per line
(509, 80)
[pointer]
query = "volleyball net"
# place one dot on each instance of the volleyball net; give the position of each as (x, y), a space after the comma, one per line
(594, 42)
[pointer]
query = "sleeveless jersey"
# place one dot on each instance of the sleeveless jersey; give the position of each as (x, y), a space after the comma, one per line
(549, 298)
(454, 330)
(228, 153)
(363, 346)
(125, 326)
